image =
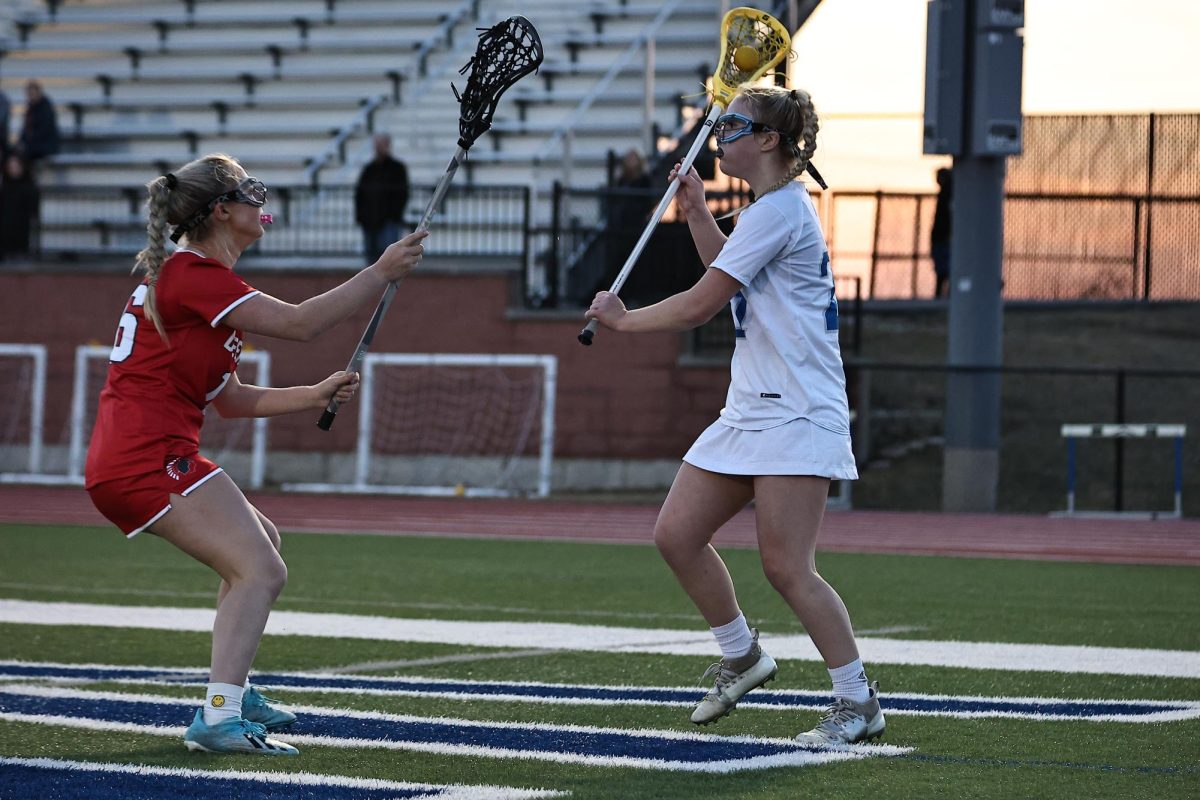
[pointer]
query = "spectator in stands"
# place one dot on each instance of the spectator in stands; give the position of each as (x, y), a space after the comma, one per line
(39, 133)
(939, 235)
(5, 117)
(628, 209)
(380, 199)
(784, 432)
(18, 208)
(176, 350)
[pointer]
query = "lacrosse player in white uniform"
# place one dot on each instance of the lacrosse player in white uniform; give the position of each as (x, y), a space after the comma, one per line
(784, 431)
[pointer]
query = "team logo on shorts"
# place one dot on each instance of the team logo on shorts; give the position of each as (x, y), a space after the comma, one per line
(178, 466)
(218, 701)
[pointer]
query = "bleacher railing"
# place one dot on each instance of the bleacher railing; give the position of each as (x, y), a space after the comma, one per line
(486, 221)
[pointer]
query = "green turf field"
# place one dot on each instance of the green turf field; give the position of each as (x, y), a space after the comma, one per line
(898, 598)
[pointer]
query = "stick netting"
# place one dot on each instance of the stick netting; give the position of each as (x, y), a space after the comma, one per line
(506, 52)
(458, 427)
(747, 27)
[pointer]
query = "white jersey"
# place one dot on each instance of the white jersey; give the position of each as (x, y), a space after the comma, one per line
(786, 361)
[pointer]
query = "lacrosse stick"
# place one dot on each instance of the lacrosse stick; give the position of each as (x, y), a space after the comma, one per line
(506, 52)
(752, 42)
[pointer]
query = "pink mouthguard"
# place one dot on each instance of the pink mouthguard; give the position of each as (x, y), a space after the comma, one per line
(266, 219)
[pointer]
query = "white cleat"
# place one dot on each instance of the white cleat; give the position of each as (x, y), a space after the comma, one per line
(847, 722)
(734, 677)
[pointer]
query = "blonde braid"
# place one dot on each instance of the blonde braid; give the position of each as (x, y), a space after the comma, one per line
(802, 143)
(151, 258)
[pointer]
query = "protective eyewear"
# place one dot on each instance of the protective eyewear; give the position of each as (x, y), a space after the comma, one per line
(250, 190)
(731, 127)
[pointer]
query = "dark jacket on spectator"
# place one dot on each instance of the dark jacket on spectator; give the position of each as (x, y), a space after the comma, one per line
(382, 193)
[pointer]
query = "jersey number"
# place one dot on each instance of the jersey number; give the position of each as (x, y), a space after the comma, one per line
(831, 311)
(127, 329)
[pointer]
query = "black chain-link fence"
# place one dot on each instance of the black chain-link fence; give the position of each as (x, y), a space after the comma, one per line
(1099, 207)
(898, 437)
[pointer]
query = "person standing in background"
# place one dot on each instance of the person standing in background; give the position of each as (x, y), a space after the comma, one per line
(18, 208)
(939, 235)
(5, 116)
(380, 198)
(39, 132)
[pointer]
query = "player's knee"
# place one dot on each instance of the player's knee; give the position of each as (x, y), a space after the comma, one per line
(673, 544)
(788, 578)
(272, 532)
(273, 575)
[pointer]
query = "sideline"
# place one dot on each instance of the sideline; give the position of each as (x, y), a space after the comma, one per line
(597, 638)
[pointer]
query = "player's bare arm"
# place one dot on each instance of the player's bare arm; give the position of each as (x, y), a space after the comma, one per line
(303, 322)
(680, 312)
(239, 399)
(703, 227)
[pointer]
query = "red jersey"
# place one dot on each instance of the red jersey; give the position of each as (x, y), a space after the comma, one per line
(152, 404)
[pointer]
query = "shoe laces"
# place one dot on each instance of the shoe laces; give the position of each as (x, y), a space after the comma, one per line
(254, 728)
(839, 715)
(723, 673)
(255, 695)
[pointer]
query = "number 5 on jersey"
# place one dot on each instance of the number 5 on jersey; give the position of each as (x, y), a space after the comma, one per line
(127, 328)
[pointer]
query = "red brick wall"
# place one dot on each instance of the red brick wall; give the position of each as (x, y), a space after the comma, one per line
(624, 397)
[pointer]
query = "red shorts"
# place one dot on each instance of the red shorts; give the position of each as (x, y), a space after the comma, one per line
(135, 503)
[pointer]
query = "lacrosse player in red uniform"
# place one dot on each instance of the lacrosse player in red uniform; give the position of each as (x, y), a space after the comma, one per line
(176, 350)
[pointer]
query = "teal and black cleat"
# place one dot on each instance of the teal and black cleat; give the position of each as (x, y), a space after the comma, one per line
(257, 708)
(235, 735)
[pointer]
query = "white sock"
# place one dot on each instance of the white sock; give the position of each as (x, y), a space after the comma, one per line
(223, 701)
(850, 682)
(734, 638)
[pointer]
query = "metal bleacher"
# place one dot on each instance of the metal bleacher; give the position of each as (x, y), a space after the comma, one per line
(295, 88)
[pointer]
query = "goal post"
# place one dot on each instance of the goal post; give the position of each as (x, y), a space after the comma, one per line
(22, 434)
(237, 445)
(452, 425)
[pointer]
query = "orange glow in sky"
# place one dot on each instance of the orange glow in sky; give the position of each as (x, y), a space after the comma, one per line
(863, 61)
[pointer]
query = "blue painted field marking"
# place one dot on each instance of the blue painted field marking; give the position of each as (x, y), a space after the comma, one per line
(1145, 711)
(47, 777)
(648, 749)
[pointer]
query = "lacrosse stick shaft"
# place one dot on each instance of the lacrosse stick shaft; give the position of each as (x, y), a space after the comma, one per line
(364, 344)
(585, 336)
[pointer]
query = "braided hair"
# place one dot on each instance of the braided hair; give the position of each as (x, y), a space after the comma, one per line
(171, 200)
(793, 115)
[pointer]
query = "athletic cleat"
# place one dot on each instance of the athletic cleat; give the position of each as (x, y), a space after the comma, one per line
(233, 736)
(256, 708)
(848, 722)
(734, 677)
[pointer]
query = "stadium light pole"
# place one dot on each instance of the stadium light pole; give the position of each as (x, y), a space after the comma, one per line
(973, 113)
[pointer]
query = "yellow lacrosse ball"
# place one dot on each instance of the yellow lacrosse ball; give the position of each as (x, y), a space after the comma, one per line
(460, 490)
(745, 58)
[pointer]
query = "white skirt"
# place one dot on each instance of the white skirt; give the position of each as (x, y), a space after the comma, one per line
(799, 447)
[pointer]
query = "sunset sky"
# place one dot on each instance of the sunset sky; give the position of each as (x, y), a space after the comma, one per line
(863, 61)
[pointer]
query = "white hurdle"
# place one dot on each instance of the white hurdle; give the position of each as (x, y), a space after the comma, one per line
(1072, 433)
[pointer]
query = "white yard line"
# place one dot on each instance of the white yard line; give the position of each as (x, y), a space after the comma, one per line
(564, 637)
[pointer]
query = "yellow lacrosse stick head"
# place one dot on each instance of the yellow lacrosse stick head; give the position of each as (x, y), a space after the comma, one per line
(752, 42)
